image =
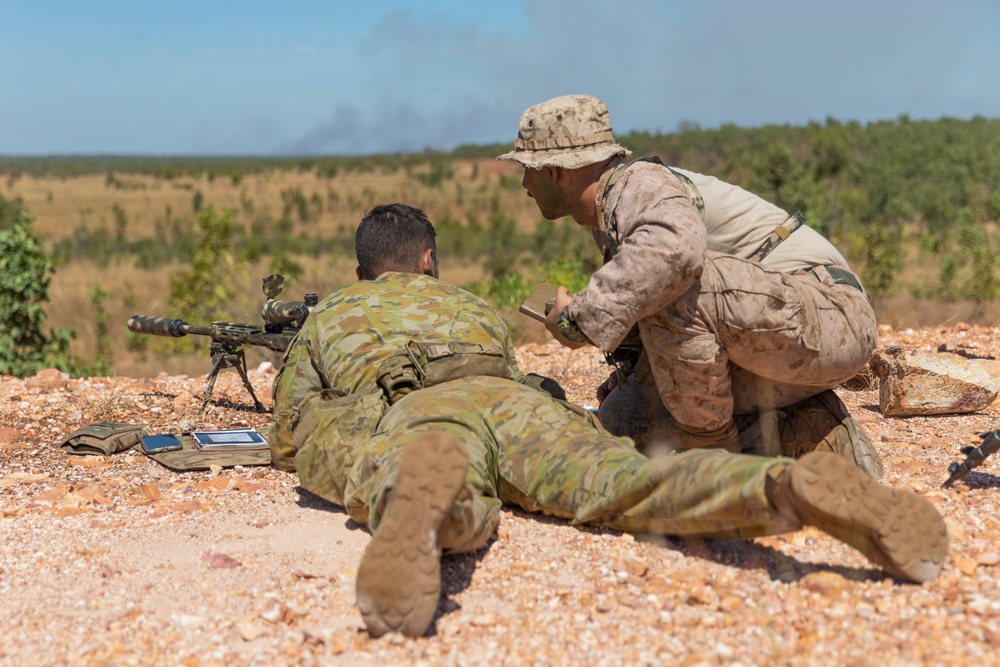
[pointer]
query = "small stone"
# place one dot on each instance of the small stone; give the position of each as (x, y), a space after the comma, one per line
(660, 587)
(278, 613)
(731, 603)
(250, 631)
(966, 565)
(220, 561)
(484, 620)
(214, 485)
(144, 494)
(701, 596)
(631, 565)
(956, 530)
(10, 436)
(111, 569)
(187, 620)
(47, 380)
(988, 558)
(52, 495)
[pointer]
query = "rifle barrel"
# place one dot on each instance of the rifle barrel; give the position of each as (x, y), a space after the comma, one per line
(233, 333)
(161, 326)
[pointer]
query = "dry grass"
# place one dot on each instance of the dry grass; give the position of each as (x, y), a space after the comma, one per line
(477, 188)
(62, 204)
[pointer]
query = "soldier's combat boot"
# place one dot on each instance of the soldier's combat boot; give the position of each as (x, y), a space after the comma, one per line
(399, 579)
(896, 529)
(822, 423)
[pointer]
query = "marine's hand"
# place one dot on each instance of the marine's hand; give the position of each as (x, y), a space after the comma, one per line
(605, 387)
(563, 298)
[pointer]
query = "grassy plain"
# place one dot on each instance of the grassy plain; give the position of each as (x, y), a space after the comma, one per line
(466, 192)
(470, 190)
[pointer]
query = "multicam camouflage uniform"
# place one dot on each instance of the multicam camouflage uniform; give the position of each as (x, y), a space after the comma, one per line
(682, 262)
(335, 426)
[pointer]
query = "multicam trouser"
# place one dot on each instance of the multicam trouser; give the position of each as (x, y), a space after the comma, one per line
(543, 456)
(744, 340)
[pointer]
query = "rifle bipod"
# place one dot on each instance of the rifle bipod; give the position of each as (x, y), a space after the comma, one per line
(227, 355)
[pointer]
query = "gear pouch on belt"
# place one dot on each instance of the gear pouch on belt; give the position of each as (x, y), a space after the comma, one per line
(103, 438)
(444, 362)
(422, 365)
(338, 427)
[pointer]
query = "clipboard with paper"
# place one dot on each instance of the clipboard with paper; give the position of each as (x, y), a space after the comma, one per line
(539, 302)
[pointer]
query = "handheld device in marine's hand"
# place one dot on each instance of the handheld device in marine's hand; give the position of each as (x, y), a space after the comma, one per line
(540, 301)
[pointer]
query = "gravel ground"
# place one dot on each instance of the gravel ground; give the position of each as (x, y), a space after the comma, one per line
(118, 560)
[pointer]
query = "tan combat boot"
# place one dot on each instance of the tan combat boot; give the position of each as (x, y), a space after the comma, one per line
(399, 579)
(896, 529)
(822, 423)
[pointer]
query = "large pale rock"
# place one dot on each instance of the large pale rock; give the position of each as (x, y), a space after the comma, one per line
(47, 380)
(913, 382)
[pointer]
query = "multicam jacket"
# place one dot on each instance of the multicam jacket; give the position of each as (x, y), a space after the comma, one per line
(352, 333)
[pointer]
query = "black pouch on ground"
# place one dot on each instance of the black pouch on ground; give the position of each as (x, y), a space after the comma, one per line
(105, 438)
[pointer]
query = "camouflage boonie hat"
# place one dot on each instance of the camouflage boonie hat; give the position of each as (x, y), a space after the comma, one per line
(571, 131)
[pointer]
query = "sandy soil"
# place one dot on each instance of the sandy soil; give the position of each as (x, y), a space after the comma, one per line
(118, 560)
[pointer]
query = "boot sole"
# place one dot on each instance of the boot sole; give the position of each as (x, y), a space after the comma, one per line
(399, 578)
(896, 529)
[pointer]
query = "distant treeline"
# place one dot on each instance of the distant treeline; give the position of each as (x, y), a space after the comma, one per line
(920, 198)
(913, 205)
(917, 200)
(234, 167)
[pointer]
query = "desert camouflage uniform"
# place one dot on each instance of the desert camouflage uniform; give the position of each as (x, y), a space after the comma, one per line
(748, 335)
(345, 439)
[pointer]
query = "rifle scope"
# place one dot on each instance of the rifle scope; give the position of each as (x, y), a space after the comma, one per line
(284, 312)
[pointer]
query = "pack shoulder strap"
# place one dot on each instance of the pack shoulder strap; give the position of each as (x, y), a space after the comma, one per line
(690, 190)
(609, 199)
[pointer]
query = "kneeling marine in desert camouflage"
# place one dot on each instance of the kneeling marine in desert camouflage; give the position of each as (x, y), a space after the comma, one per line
(743, 318)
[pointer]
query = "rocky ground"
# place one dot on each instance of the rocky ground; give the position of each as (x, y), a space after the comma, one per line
(118, 560)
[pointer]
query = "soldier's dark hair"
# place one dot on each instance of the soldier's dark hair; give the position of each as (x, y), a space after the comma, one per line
(393, 237)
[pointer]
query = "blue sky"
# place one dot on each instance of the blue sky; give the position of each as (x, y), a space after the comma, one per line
(333, 77)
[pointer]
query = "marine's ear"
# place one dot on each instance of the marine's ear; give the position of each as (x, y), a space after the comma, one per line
(357, 272)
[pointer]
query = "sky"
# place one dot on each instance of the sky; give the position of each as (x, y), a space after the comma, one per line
(331, 77)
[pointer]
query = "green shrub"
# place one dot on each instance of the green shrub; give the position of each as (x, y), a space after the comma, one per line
(206, 291)
(25, 273)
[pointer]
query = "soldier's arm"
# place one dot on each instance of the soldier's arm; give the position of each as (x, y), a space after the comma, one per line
(297, 380)
(661, 254)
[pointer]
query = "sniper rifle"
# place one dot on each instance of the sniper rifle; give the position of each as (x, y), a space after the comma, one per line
(282, 321)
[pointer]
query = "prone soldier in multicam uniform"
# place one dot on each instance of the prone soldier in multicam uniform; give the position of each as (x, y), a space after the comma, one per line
(401, 400)
(741, 318)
